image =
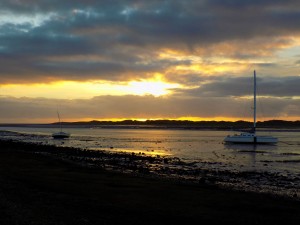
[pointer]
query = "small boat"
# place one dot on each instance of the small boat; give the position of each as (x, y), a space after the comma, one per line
(60, 134)
(251, 137)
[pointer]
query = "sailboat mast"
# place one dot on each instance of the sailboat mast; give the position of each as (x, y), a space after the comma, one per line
(254, 104)
(59, 121)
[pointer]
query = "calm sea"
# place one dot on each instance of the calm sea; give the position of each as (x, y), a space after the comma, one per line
(188, 145)
(261, 168)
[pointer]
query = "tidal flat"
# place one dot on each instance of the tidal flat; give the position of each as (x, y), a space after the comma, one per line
(42, 184)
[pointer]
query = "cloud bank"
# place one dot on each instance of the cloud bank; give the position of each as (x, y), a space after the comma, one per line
(129, 106)
(209, 47)
(122, 40)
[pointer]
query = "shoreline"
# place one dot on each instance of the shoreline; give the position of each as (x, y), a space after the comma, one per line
(235, 128)
(169, 168)
(38, 188)
(41, 186)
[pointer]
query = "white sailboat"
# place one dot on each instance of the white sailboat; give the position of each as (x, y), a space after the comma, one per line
(60, 134)
(251, 137)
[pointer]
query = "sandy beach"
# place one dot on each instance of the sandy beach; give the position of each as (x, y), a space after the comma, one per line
(40, 187)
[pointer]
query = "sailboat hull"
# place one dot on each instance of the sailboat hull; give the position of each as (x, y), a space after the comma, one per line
(60, 135)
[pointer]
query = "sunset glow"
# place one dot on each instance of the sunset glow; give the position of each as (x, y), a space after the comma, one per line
(156, 88)
(125, 60)
(73, 90)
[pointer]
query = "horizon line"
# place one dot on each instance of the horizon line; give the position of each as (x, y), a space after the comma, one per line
(152, 120)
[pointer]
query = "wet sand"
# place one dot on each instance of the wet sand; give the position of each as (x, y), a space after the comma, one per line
(51, 185)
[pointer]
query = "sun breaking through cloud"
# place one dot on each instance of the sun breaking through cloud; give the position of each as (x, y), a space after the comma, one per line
(183, 58)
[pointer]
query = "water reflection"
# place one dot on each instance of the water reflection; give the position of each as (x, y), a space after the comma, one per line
(205, 147)
(251, 156)
(251, 147)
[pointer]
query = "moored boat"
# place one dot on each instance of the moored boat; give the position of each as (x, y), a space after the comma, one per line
(251, 137)
(60, 134)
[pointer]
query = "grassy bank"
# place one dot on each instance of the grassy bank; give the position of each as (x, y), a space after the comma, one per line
(40, 189)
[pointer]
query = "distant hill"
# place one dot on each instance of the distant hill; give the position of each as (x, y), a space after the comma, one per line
(187, 124)
(172, 124)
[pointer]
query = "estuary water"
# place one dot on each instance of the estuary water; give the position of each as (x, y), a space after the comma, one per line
(199, 148)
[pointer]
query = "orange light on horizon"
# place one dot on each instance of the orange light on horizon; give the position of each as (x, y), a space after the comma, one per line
(88, 119)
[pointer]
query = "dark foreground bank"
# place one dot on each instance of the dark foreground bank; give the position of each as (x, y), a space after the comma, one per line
(39, 188)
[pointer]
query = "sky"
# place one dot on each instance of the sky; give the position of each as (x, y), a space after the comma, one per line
(158, 59)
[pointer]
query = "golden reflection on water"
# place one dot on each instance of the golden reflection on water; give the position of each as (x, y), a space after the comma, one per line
(138, 151)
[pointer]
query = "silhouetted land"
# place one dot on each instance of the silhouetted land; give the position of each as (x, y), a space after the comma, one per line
(177, 124)
(37, 187)
(195, 124)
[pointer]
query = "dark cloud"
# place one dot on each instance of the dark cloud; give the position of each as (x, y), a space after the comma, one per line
(128, 35)
(243, 86)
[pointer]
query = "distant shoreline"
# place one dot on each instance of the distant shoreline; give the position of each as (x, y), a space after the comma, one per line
(271, 125)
